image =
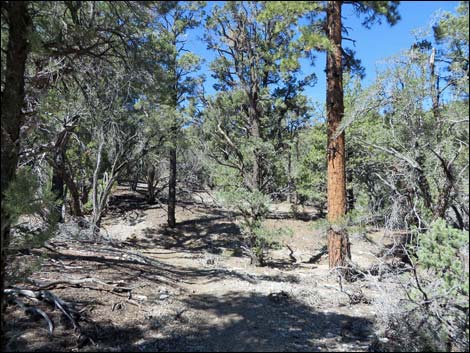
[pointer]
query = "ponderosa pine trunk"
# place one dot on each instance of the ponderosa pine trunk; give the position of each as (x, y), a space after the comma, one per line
(12, 101)
(338, 242)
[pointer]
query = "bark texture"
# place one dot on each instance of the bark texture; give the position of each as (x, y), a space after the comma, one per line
(255, 133)
(58, 188)
(12, 102)
(151, 176)
(338, 247)
(172, 189)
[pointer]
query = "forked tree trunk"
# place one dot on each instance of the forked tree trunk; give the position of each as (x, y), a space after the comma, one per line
(338, 242)
(11, 121)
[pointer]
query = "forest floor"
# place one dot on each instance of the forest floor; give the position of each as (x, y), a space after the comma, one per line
(189, 289)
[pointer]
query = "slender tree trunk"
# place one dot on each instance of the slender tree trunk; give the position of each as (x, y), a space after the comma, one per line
(445, 192)
(151, 184)
(97, 194)
(61, 175)
(12, 101)
(256, 176)
(58, 190)
(350, 193)
(75, 194)
(101, 193)
(85, 193)
(255, 134)
(172, 189)
(338, 242)
(58, 172)
(135, 177)
(289, 177)
(435, 93)
(174, 130)
(134, 182)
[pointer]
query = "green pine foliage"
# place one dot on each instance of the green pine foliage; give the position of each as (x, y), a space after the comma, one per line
(253, 206)
(30, 207)
(443, 250)
(310, 178)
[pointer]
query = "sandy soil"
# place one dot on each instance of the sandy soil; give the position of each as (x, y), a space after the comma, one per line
(192, 290)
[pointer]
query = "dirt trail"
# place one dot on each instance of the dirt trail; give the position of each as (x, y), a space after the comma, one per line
(192, 291)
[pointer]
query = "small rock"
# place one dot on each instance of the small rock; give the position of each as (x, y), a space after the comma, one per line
(163, 296)
(140, 298)
(155, 324)
(278, 297)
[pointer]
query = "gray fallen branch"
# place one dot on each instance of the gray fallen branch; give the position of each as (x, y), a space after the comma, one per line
(28, 309)
(62, 306)
(78, 282)
(291, 255)
(47, 297)
(317, 257)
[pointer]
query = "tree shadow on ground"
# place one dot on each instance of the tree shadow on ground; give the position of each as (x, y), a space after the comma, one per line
(235, 322)
(128, 201)
(257, 322)
(117, 264)
(211, 229)
(211, 234)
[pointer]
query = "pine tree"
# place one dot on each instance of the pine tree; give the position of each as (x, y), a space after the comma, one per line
(12, 101)
(338, 241)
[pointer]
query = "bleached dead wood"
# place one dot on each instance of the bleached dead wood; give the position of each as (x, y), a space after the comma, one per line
(48, 297)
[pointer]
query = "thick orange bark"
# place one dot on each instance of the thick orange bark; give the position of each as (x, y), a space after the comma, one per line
(338, 242)
(338, 248)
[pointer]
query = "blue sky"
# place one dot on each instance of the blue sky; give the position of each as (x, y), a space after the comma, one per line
(372, 45)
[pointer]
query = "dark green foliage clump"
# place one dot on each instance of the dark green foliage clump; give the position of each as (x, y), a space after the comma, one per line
(254, 207)
(30, 207)
(444, 251)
